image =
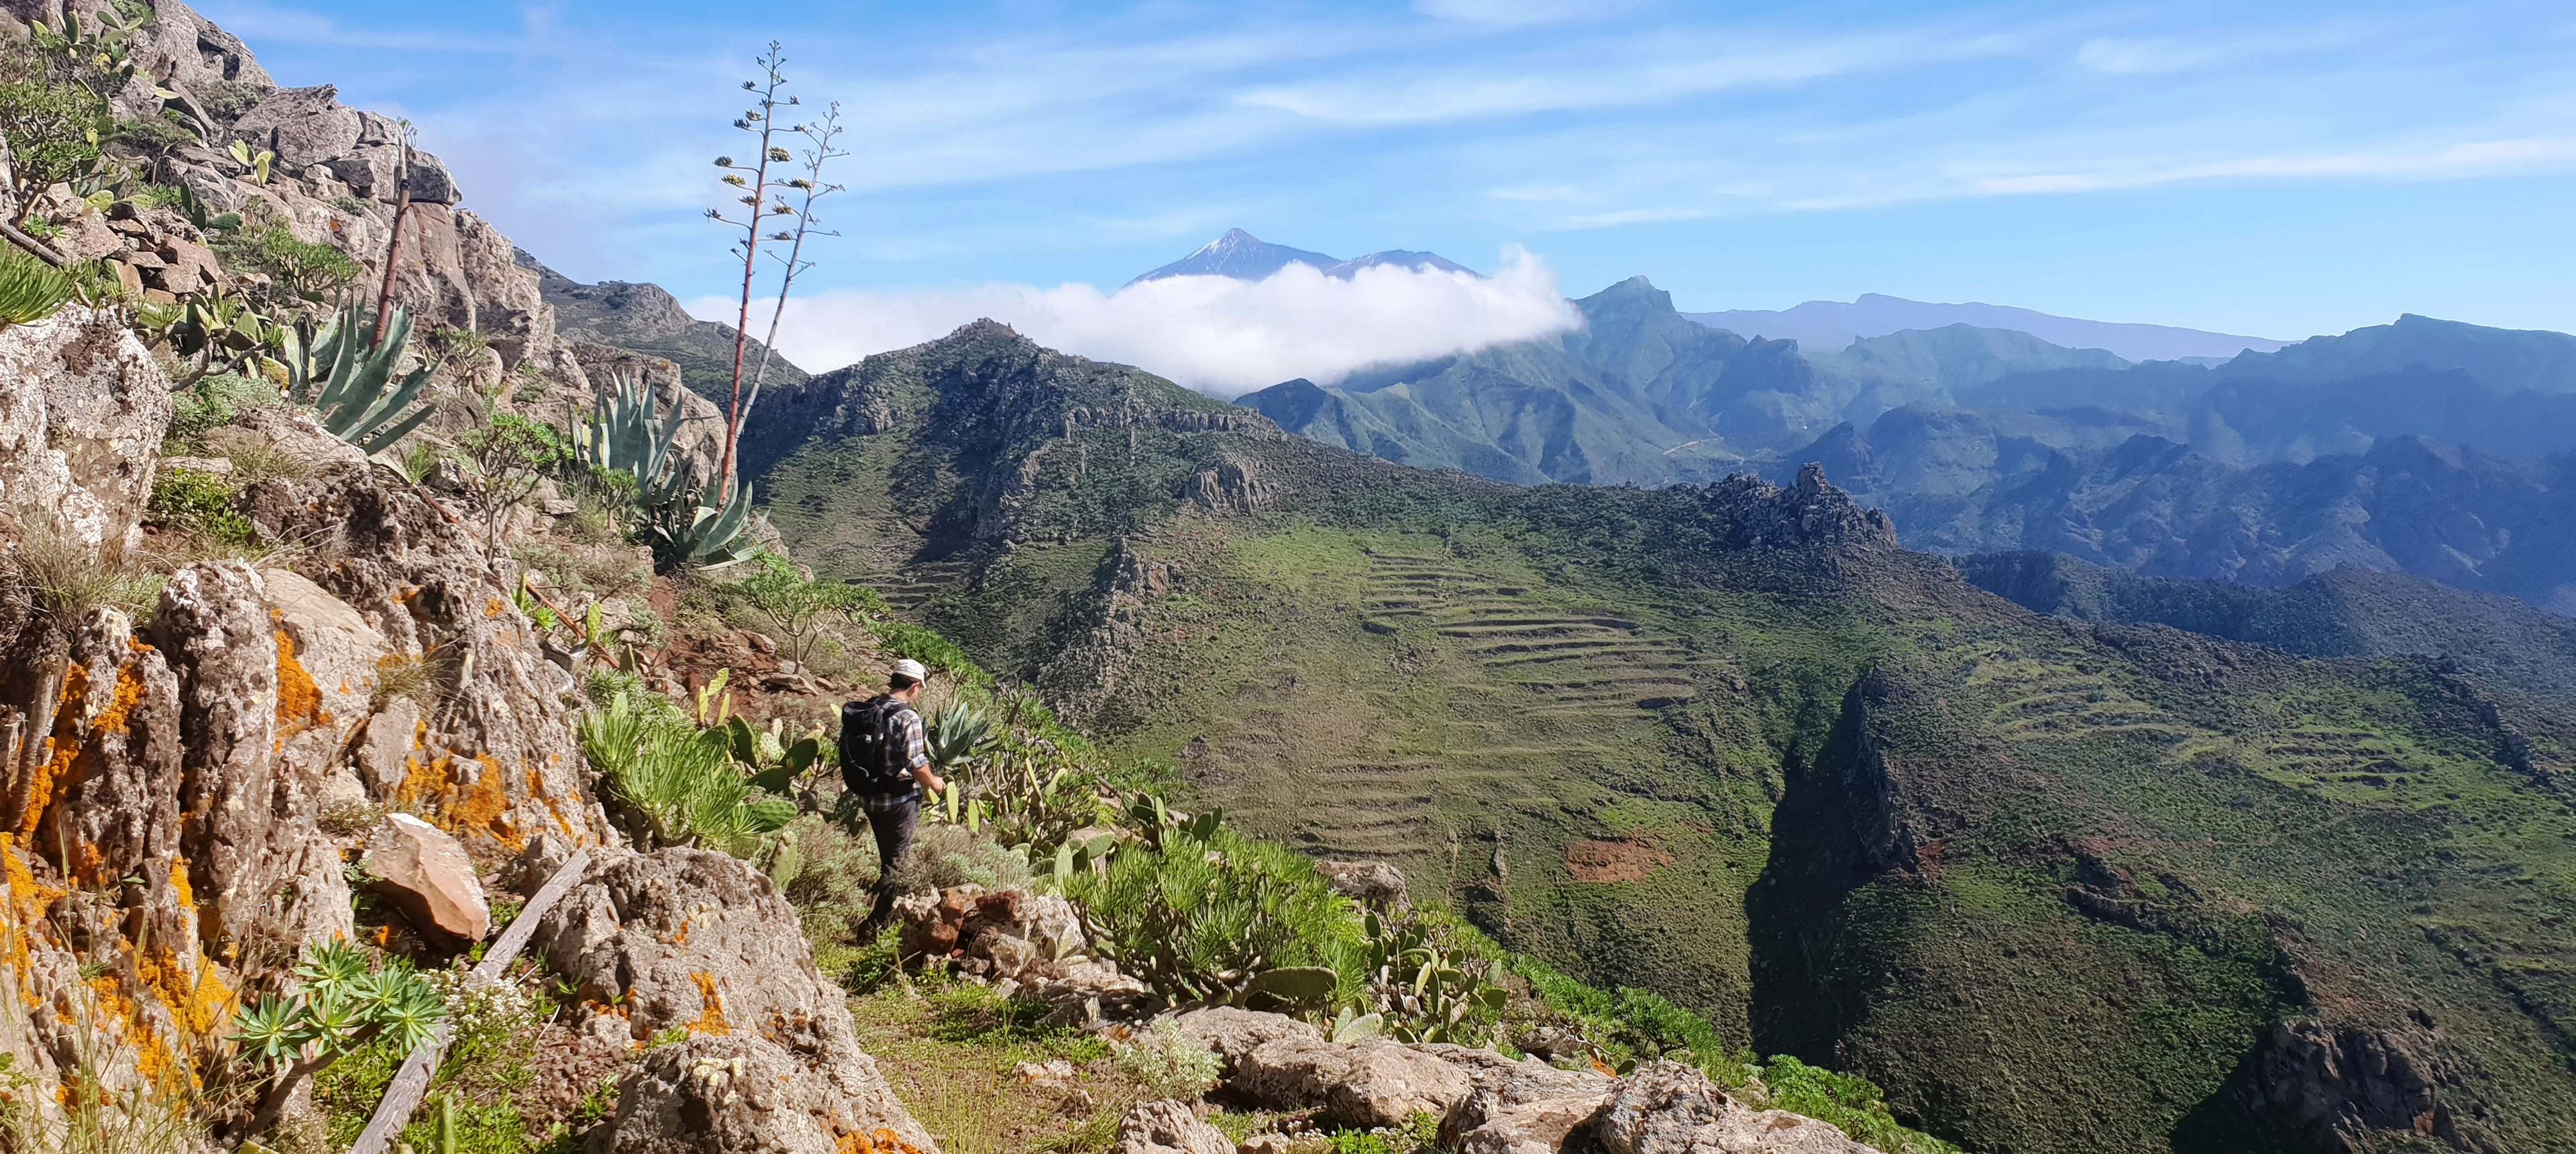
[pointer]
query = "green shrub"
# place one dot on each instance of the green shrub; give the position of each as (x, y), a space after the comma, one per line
(1195, 918)
(301, 269)
(905, 639)
(1170, 1064)
(1851, 1103)
(199, 503)
(676, 783)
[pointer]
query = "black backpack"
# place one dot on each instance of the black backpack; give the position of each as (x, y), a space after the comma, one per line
(876, 759)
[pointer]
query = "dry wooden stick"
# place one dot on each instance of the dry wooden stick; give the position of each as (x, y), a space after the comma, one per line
(411, 1084)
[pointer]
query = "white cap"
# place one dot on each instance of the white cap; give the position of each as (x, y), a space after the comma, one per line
(907, 667)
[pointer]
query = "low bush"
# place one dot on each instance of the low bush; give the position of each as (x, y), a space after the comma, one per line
(1170, 1064)
(1196, 918)
(199, 503)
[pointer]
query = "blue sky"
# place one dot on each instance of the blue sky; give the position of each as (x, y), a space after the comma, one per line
(2279, 169)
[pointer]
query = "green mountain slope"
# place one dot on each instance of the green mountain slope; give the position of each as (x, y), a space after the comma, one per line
(1642, 394)
(2056, 886)
(2344, 612)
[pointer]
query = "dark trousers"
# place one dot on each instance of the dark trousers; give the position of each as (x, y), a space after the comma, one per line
(893, 827)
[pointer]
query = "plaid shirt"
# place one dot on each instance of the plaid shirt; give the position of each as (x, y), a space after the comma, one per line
(916, 749)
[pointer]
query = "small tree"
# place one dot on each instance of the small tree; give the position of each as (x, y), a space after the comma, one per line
(513, 456)
(799, 605)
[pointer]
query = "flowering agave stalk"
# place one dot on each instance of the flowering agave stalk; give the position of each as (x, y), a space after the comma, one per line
(340, 1005)
(755, 184)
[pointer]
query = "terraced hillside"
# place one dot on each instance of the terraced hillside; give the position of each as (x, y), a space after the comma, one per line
(2057, 886)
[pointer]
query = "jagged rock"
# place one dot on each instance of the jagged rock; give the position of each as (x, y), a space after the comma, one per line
(494, 759)
(699, 941)
(82, 410)
(1670, 1108)
(426, 876)
(295, 435)
(266, 876)
(1168, 1128)
(2331, 1085)
(745, 1095)
(1374, 883)
(1519, 1107)
(304, 126)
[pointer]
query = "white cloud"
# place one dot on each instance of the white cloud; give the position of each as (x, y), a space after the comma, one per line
(1215, 334)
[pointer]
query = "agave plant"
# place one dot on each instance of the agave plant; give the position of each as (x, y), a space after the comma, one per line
(345, 371)
(687, 531)
(621, 435)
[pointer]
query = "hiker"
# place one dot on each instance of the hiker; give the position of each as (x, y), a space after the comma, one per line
(885, 763)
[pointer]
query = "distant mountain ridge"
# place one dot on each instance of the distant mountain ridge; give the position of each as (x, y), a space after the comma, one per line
(1243, 256)
(646, 318)
(1828, 326)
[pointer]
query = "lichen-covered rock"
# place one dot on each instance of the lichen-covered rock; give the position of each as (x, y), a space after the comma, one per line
(82, 411)
(494, 759)
(699, 941)
(1522, 1106)
(426, 876)
(1168, 1128)
(1670, 1108)
(744, 1095)
(340, 653)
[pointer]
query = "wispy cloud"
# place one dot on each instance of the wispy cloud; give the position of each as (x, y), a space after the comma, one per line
(1216, 334)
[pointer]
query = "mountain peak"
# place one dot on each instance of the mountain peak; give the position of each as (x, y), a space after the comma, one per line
(1243, 256)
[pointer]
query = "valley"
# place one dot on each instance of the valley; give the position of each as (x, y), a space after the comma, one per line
(2056, 886)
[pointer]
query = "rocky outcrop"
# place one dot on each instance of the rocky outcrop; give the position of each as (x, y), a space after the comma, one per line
(1024, 944)
(698, 941)
(1372, 883)
(492, 759)
(1670, 1108)
(1371, 1082)
(1746, 512)
(1487, 1103)
(2332, 1086)
(81, 418)
(1168, 1128)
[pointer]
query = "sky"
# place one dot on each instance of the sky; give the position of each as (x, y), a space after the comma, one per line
(2275, 169)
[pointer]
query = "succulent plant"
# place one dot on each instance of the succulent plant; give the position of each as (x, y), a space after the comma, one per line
(345, 371)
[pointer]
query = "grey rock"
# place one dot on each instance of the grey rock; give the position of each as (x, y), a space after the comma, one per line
(1168, 1128)
(1670, 1108)
(749, 1095)
(82, 410)
(1233, 1034)
(1373, 883)
(699, 941)
(304, 126)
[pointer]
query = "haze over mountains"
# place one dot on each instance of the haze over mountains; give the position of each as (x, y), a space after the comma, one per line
(2423, 446)
(1829, 325)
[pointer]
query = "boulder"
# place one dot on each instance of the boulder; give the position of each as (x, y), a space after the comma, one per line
(424, 874)
(699, 941)
(82, 411)
(1233, 1034)
(304, 126)
(743, 1095)
(1168, 1128)
(1373, 883)
(1671, 1108)
(1520, 1106)
(1373, 1082)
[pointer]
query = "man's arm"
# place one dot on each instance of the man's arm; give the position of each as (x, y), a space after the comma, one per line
(917, 753)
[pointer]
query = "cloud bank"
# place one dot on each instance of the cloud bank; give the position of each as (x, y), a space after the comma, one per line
(1214, 334)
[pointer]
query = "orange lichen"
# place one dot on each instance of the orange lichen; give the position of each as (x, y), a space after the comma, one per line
(26, 907)
(299, 699)
(200, 1006)
(712, 1019)
(485, 805)
(494, 607)
(883, 1141)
